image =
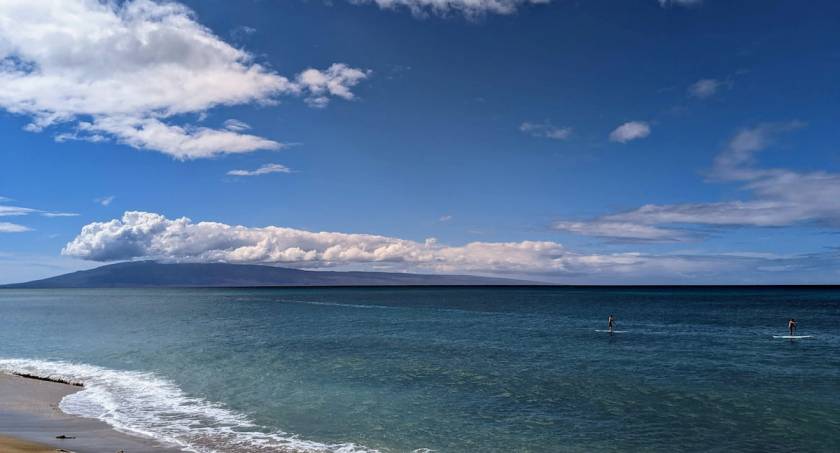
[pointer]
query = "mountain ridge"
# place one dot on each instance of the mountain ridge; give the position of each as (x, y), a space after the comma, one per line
(152, 274)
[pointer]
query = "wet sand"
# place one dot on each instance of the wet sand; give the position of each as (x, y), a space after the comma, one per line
(12, 445)
(30, 420)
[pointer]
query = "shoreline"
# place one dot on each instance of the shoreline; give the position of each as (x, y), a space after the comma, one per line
(31, 421)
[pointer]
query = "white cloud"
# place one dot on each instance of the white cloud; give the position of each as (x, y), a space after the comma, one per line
(105, 201)
(545, 130)
(20, 211)
(143, 235)
(6, 227)
(445, 218)
(149, 235)
(734, 162)
(242, 32)
(152, 236)
(9, 211)
(125, 70)
(469, 8)
(181, 142)
(685, 3)
(621, 230)
(335, 81)
(236, 125)
(15, 211)
(263, 170)
(704, 88)
(60, 214)
(632, 130)
(780, 197)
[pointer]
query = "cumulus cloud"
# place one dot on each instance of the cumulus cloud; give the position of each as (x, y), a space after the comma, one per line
(632, 130)
(469, 8)
(6, 227)
(263, 170)
(335, 81)
(149, 235)
(545, 130)
(126, 70)
(780, 197)
(144, 235)
(704, 88)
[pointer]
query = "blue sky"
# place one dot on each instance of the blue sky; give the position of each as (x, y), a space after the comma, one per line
(575, 142)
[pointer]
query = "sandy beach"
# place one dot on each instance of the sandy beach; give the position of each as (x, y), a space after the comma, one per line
(30, 421)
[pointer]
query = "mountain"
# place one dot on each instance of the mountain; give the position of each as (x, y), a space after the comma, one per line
(151, 274)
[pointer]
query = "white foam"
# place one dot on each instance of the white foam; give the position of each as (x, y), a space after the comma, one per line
(335, 304)
(147, 405)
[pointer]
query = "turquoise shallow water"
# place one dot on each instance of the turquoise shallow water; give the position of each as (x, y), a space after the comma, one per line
(450, 370)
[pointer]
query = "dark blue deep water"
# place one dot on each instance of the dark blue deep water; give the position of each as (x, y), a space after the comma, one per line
(448, 370)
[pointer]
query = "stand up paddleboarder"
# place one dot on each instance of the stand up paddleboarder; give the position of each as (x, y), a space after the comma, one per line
(791, 326)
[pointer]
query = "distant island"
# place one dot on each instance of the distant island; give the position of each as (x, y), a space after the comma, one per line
(152, 274)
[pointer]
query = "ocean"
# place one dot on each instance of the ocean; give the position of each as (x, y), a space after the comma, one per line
(442, 369)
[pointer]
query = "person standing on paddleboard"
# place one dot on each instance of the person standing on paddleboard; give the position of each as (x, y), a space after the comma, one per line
(610, 324)
(792, 326)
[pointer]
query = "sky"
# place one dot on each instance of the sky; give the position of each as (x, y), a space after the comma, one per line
(575, 142)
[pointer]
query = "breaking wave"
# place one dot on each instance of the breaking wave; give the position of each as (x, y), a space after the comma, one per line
(144, 404)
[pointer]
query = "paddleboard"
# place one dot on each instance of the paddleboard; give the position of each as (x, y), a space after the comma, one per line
(792, 337)
(614, 331)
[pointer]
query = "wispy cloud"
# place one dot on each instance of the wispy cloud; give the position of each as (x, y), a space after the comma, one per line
(263, 170)
(15, 211)
(632, 130)
(21, 211)
(105, 201)
(704, 88)
(59, 214)
(6, 227)
(445, 218)
(545, 130)
(469, 8)
(114, 85)
(242, 32)
(236, 125)
(780, 197)
(622, 230)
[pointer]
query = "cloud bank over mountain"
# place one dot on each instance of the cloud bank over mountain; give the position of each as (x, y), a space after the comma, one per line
(145, 235)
